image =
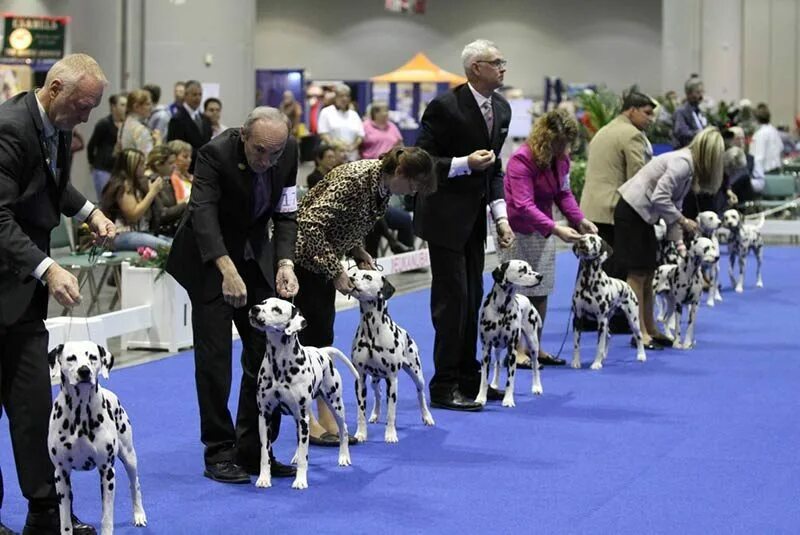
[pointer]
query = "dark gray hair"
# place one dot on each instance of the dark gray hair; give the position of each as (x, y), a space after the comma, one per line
(477, 49)
(692, 84)
(266, 114)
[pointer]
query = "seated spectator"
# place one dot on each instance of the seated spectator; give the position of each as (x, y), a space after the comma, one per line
(181, 178)
(167, 210)
(128, 200)
(767, 145)
(380, 134)
(294, 111)
(748, 181)
(212, 108)
(160, 116)
(340, 125)
(135, 134)
(325, 159)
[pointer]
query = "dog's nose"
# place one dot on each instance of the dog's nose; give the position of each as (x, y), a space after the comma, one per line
(84, 372)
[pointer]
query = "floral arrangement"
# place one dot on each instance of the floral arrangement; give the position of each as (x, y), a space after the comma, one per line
(153, 258)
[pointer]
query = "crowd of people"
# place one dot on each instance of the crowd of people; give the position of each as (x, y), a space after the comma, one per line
(226, 203)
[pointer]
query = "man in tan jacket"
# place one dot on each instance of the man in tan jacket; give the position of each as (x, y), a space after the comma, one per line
(616, 153)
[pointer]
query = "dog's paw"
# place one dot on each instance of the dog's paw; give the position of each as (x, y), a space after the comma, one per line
(264, 482)
(710, 303)
(688, 345)
(509, 402)
(597, 365)
(576, 364)
(427, 419)
(641, 357)
(139, 519)
(373, 418)
(300, 483)
(739, 289)
(481, 399)
(537, 390)
(759, 284)
(361, 435)
(390, 436)
(344, 459)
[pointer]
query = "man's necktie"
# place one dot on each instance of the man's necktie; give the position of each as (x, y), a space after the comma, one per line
(198, 120)
(488, 116)
(52, 149)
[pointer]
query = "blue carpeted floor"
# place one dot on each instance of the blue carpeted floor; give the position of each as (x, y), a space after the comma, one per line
(700, 441)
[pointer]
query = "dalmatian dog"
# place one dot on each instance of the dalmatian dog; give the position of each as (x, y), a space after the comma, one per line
(709, 223)
(381, 348)
(667, 252)
(89, 429)
(597, 296)
(682, 284)
(743, 238)
(508, 320)
(289, 379)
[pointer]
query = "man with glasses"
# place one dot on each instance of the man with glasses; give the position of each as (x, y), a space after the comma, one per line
(464, 130)
(223, 255)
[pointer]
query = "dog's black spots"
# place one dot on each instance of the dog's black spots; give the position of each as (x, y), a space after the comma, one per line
(110, 486)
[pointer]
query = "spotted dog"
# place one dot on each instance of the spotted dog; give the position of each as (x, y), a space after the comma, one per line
(709, 223)
(89, 429)
(743, 238)
(509, 320)
(681, 285)
(597, 296)
(289, 379)
(381, 348)
(667, 252)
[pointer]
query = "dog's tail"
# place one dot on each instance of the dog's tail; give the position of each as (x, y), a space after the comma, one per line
(760, 223)
(333, 352)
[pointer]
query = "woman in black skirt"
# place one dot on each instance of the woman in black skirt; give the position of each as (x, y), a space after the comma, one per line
(657, 192)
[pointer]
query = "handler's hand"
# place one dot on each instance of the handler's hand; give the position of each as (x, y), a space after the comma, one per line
(480, 159)
(363, 259)
(505, 236)
(343, 283)
(101, 226)
(234, 291)
(286, 282)
(62, 285)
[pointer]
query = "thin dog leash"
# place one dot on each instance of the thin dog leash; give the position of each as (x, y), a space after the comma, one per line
(95, 252)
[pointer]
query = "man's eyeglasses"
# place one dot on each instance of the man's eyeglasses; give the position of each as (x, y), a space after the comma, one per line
(497, 63)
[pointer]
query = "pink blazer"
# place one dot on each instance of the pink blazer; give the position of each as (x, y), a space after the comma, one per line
(531, 191)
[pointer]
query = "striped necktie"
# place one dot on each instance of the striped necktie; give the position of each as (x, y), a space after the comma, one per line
(488, 116)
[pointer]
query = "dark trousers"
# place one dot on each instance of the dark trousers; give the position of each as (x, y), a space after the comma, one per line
(316, 301)
(27, 399)
(456, 293)
(211, 323)
(612, 269)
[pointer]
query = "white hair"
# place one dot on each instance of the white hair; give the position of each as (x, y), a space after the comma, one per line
(72, 68)
(266, 114)
(477, 49)
(342, 89)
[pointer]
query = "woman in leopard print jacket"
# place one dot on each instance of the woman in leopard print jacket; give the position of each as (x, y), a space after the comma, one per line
(333, 219)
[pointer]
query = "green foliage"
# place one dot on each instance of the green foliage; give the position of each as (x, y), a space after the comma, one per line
(577, 176)
(601, 108)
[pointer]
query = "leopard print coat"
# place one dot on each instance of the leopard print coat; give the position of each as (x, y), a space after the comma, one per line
(336, 215)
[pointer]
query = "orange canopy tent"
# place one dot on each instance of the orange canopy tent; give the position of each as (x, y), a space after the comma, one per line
(420, 69)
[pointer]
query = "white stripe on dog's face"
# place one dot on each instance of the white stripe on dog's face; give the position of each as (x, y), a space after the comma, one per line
(521, 274)
(80, 362)
(730, 219)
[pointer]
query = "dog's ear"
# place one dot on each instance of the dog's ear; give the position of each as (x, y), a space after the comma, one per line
(296, 323)
(106, 361)
(52, 359)
(387, 291)
(606, 250)
(499, 273)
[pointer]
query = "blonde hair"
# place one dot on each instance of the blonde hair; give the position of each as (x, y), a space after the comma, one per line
(72, 68)
(708, 151)
(137, 97)
(555, 125)
(177, 146)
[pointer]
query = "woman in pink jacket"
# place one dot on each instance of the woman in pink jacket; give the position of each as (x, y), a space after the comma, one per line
(537, 176)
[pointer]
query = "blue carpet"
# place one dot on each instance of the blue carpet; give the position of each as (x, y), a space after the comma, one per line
(700, 441)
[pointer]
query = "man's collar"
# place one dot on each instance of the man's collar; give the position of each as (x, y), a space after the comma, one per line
(192, 113)
(480, 99)
(49, 129)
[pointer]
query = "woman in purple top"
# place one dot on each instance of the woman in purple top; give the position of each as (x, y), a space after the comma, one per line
(537, 176)
(380, 134)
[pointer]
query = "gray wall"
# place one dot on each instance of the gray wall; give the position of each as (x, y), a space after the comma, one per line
(615, 42)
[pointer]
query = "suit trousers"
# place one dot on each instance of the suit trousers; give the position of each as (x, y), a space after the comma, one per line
(26, 397)
(456, 293)
(316, 302)
(211, 324)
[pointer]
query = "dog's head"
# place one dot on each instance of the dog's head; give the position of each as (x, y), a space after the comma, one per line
(708, 222)
(704, 250)
(370, 285)
(731, 219)
(277, 315)
(516, 273)
(661, 230)
(80, 362)
(592, 247)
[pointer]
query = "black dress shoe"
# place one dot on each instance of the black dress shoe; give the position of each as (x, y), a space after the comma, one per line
(455, 401)
(6, 531)
(493, 394)
(276, 469)
(650, 347)
(226, 472)
(48, 522)
(549, 360)
(662, 340)
(330, 440)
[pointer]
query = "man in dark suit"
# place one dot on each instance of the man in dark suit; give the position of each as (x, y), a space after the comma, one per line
(189, 123)
(464, 131)
(688, 119)
(223, 256)
(35, 136)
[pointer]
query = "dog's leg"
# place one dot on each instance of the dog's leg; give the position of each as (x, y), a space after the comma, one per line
(532, 342)
(576, 347)
(712, 286)
(414, 370)
(689, 342)
(759, 258)
(678, 315)
(64, 492)
(390, 435)
(107, 491)
(495, 382)
(631, 311)
(511, 369)
(333, 400)
(742, 263)
(361, 398)
(732, 264)
(264, 477)
(303, 419)
(717, 292)
(602, 341)
(129, 460)
(376, 407)
(484, 388)
(669, 320)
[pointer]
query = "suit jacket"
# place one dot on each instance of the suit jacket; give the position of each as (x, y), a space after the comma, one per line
(219, 218)
(183, 127)
(32, 200)
(616, 153)
(684, 125)
(453, 126)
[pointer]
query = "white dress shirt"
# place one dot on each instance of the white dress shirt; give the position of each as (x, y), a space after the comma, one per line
(767, 148)
(343, 126)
